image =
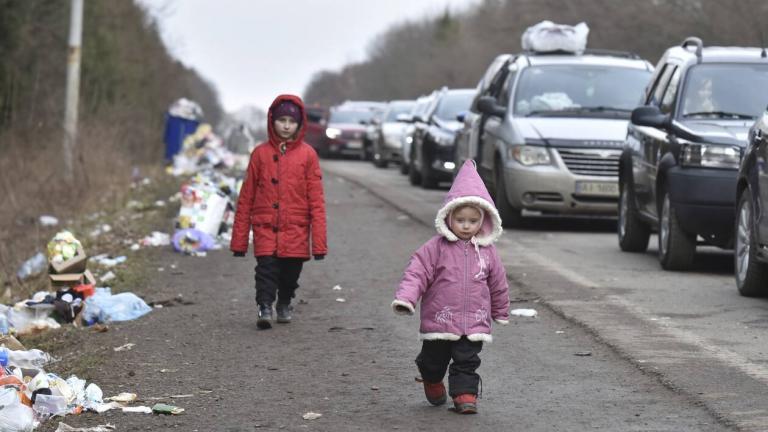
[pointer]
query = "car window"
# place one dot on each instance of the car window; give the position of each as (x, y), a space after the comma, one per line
(661, 85)
(556, 89)
(730, 91)
(395, 110)
(351, 116)
(452, 103)
(506, 89)
(668, 100)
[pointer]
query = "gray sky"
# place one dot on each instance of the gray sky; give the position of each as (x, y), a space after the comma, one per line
(253, 50)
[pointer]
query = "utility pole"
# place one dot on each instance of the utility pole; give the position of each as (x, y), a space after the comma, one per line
(73, 87)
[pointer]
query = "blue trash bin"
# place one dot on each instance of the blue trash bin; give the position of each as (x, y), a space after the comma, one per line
(176, 129)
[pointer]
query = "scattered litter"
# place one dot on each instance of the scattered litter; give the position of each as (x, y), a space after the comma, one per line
(161, 269)
(138, 409)
(63, 427)
(530, 313)
(156, 239)
(48, 220)
(162, 408)
(32, 267)
(126, 347)
(135, 247)
(559, 332)
(123, 397)
(106, 260)
(583, 353)
(108, 276)
(168, 370)
(337, 288)
(104, 307)
(402, 217)
(374, 387)
(100, 230)
(191, 241)
(159, 203)
(182, 396)
(340, 300)
(133, 204)
(311, 416)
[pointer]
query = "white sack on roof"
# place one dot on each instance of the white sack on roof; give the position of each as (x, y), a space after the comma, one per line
(186, 109)
(547, 36)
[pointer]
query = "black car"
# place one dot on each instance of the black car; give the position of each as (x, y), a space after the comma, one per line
(431, 153)
(751, 232)
(679, 168)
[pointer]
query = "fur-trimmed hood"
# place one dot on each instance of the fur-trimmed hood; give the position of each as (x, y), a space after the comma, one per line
(468, 188)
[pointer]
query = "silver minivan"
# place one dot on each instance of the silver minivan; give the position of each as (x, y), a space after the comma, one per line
(547, 130)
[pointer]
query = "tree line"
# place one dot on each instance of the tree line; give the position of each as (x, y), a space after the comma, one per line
(415, 57)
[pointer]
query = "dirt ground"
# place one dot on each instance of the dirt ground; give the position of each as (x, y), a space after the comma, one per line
(350, 361)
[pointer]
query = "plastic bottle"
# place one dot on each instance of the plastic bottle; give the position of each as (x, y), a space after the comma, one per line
(33, 266)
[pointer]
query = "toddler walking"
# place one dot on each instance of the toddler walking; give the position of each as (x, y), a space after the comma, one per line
(462, 285)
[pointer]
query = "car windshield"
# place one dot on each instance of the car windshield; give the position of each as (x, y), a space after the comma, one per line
(397, 109)
(728, 91)
(453, 103)
(351, 116)
(569, 90)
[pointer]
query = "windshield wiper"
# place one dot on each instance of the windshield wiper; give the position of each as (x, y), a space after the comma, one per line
(571, 110)
(721, 114)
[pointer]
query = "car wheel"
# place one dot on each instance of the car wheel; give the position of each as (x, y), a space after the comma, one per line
(378, 159)
(428, 180)
(403, 168)
(511, 217)
(633, 233)
(677, 248)
(414, 175)
(751, 274)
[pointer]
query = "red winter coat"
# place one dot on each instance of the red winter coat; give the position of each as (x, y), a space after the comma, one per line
(282, 197)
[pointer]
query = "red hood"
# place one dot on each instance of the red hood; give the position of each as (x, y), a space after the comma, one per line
(274, 138)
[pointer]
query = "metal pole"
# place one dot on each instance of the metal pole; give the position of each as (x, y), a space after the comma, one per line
(73, 87)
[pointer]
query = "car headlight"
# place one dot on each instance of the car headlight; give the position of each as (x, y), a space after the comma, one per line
(530, 155)
(332, 133)
(710, 156)
(408, 139)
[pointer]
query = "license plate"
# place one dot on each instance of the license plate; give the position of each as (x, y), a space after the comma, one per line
(598, 188)
(354, 144)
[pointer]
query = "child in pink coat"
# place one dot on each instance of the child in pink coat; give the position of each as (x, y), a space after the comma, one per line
(462, 285)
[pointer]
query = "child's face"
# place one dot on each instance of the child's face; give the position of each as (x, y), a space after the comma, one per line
(286, 127)
(465, 222)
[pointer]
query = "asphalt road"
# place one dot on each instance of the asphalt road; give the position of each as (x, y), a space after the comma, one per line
(692, 329)
(352, 361)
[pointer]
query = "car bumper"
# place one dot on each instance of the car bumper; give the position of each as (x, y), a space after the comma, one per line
(345, 147)
(441, 162)
(553, 189)
(705, 202)
(391, 150)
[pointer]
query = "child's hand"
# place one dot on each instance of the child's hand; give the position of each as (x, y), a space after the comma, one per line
(402, 307)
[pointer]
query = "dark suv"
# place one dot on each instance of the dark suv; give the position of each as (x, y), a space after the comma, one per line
(431, 153)
(679, 165)
(751, 251)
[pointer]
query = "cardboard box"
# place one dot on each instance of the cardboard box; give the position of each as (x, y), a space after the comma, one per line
(72, 279)
(76, 264)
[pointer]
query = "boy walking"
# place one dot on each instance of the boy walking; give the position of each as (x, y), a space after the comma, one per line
(282, 202)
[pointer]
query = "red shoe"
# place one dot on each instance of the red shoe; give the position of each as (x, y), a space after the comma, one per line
(435, 393)
(465, 404)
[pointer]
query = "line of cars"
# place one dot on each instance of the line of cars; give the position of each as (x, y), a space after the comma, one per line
(679, 149)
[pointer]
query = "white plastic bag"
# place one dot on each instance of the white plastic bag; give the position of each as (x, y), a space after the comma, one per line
(14, 416)
(547, 36)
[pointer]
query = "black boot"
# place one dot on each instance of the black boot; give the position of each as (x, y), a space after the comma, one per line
(284, 313)
(265, 317)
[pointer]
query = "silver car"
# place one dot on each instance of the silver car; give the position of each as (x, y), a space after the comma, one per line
(388, 143)
(549, 129)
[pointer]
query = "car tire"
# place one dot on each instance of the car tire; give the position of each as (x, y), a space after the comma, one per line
(404, 168)
(751, 274)
(511, 217)
(677, 248)
(414, 175)
(378, 159)
(633, 233)
(428, 177)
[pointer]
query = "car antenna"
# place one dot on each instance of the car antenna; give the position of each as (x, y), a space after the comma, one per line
(762, 45)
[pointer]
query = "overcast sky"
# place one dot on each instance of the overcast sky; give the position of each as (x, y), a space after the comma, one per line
(253, 50)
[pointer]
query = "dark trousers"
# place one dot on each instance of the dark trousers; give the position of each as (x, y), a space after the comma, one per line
(277, 278)
(436, 354)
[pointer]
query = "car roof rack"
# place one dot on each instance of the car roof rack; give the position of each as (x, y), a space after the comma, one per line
(692, 40)
(589, 51)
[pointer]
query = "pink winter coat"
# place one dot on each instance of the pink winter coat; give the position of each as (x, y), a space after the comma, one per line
(462, 284)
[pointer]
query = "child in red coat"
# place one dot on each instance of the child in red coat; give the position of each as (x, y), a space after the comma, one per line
(282, 201)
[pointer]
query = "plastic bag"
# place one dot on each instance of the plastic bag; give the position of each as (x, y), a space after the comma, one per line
(192, 240)
(30, 359)
(547, 36)
(50, 405)
(105, 307)
(14, 416)
(32, 267)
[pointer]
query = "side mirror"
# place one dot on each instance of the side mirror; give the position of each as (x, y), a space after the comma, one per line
(488, 105)
(651, 116)
(461, 116)
(405, 118)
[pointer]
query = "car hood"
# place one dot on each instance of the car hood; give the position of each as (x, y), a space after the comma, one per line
(393, 128)
(452, 126)
(573, 130)
(733, 132)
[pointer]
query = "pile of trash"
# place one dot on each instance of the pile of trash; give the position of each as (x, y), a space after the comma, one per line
(29, 395)
(203, 150)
